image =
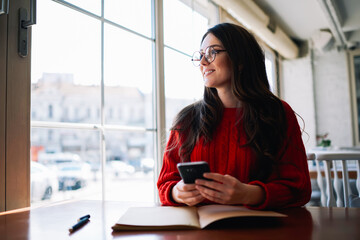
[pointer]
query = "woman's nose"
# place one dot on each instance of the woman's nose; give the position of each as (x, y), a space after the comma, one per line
(203, 61)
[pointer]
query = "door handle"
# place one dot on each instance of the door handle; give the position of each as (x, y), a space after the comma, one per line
(4, 7)
(24, 24)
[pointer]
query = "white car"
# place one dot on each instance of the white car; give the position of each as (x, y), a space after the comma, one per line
(119, 168)
(147, 164)
(73, 175)
(43, 182)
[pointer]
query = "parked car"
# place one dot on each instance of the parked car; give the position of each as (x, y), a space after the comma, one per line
(58, 158)
(73, 175)
(43, 182)
(119, 168)
(147, 164)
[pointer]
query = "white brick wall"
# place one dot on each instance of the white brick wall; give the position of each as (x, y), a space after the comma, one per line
(297, 90)
(333, 101)
(321, 95)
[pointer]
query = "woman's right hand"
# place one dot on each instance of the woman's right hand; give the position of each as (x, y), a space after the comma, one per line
(186, 193)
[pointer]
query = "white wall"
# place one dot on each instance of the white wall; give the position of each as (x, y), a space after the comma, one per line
(296, 88)
(333, 101)
(320, 92)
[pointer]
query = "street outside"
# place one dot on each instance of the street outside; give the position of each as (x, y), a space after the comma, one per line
(137, 187)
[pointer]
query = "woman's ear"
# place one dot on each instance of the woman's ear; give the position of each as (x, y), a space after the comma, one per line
(240, 67)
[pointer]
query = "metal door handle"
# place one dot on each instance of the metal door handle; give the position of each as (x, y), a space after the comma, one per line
(23, 27)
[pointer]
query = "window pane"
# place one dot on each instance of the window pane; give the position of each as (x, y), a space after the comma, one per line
(128, 78)
(65, 164)
(185, 34)
(129, 166)
(271, 70)
(357, 88)
(183, 83)
(93, 6)
(134, 14)
(66, 65)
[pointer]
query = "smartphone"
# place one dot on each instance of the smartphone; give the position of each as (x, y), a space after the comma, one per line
(190, 171)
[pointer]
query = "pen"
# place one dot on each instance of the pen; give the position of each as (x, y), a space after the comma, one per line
(81, 221)
(86, 216)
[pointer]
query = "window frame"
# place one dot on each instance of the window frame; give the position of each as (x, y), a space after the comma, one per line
(14, 113)
(3, 51)
(354, 105)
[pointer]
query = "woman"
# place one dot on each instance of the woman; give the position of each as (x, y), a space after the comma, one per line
(250, 138)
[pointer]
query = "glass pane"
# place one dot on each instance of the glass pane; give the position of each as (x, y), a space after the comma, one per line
(65, 164)
(134, 14)
(357, 86)
(185, 34)
(66, 67)
(128, 78)
(93, 6)
(270, 70)
(129, 166)
(181, 87)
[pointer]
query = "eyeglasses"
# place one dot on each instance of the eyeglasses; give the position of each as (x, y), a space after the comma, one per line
(210, 54)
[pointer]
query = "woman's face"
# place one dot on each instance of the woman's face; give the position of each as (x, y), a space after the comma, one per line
(218, 73)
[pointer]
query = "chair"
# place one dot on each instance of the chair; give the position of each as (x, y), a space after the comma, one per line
(333, 191)
(315, 191)
(310, 156)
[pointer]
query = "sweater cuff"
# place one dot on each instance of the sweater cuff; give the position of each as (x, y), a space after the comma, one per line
(169, 201)
(265, 203)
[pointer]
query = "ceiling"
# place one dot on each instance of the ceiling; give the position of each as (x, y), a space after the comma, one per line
(303, 19)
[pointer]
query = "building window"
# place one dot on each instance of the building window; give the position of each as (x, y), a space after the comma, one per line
(50, 112)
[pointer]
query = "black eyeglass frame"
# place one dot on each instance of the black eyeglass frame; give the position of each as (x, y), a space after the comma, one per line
(209, 49)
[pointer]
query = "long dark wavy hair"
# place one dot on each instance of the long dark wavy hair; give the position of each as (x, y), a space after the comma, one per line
(263, 115)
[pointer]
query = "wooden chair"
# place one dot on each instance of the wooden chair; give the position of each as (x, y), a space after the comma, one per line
(335, 192)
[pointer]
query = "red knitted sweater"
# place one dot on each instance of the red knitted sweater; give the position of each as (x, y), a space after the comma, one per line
(288, 186)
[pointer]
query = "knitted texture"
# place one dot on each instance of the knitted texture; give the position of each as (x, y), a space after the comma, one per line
(288, 186)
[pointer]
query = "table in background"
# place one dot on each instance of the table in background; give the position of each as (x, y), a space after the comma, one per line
(52, 222)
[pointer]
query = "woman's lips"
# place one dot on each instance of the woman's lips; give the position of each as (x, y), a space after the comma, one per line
(207, 72)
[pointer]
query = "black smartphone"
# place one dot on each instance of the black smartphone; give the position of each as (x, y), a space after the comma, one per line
(189, 171)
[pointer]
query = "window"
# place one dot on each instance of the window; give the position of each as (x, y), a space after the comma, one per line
(50, 115)
(270, 65)
(98, 74)
(183, 81)
(354, 58)
(93, 64)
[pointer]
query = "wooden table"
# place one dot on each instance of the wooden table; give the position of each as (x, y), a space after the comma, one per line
(52, 222)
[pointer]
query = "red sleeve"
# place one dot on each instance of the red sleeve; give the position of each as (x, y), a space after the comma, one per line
(289, 185)
(169, 174)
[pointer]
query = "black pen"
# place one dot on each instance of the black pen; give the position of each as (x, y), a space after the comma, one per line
(81, 222)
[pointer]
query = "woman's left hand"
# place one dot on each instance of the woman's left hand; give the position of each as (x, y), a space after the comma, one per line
(225, 189)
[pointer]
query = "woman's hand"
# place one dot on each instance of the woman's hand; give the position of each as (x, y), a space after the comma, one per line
(186, 193)
(225, 189)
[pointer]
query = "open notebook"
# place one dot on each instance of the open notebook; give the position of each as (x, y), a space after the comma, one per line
(171, 218)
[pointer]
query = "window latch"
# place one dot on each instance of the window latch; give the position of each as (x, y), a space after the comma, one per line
(24, 24)
(4, 7)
